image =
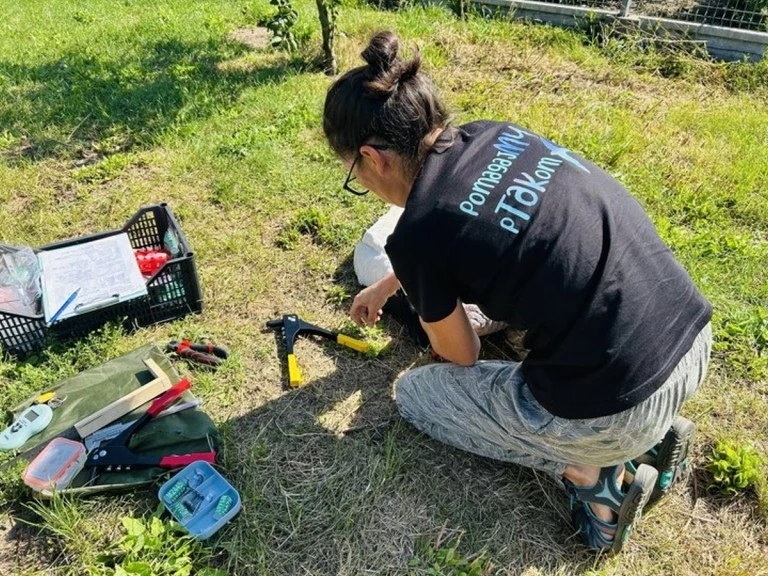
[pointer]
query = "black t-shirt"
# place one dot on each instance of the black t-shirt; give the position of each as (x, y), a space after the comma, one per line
(545, 240)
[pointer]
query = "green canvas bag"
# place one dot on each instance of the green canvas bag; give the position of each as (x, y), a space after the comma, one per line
(183, 432)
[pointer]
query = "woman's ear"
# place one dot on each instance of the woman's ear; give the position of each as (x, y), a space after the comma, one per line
(375, 158)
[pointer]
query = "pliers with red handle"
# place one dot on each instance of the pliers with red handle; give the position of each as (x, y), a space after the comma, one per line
(203, 353)
(115, 454)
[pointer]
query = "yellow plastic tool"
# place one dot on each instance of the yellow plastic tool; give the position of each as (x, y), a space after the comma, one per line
(353, 343)
(292, 326)
(45, 397)
(294, 374)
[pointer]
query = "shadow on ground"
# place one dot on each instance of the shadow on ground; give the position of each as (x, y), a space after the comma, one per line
(333, 481)
(81, 105)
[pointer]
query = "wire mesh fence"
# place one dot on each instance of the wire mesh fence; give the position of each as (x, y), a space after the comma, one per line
(604, 4)
(744, 14)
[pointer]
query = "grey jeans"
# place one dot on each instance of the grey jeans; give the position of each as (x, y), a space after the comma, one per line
(488, 409)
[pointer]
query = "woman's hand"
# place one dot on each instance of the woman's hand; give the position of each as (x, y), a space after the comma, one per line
(367, 305)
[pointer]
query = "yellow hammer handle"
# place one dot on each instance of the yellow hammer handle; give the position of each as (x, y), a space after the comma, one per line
(294, 374)
(349, 342)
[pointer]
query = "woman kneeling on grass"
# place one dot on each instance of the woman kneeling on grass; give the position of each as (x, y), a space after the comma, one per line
(544, 240)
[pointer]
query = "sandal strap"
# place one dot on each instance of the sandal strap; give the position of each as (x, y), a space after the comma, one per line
(589, 526)
(605, 491)
(594, 519)
(628, 506)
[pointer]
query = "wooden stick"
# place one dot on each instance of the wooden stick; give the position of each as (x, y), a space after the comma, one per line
(156, 371)
(126, 404)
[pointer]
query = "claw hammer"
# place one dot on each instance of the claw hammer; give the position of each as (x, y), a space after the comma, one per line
(292, 326)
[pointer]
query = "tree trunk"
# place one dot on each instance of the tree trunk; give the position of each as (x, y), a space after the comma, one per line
(328, 26)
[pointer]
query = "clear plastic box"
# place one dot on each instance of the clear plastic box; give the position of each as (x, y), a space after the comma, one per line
(56, 466)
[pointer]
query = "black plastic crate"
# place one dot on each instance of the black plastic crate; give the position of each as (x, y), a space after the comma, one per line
(172, 292)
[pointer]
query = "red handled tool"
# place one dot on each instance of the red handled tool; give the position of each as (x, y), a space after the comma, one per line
(203, 353)
(115, 454)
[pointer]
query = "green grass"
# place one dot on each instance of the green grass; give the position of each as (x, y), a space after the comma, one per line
(106, 106)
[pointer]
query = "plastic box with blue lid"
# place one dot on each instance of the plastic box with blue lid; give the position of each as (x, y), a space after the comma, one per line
(200, 499)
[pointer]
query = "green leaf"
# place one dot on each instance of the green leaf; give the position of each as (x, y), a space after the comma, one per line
(141, 568)
(211, 572)
(139, 543)
(156, 527)
(133, 526)
(183, 571)
(159, 510)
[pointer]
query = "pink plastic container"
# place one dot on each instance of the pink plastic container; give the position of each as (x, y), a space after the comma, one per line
(56, 466)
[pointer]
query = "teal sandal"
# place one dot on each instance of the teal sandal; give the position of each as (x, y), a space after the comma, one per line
(670, 457)
(627, 505)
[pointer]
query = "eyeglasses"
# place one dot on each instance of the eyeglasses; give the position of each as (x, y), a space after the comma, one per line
(351, 177)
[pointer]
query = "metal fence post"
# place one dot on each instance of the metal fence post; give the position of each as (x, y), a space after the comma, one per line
(625, 7)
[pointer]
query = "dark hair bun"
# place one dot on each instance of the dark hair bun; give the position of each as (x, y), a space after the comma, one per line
(382, 51)
(385, 69)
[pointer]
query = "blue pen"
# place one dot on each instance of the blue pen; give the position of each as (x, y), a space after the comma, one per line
(64, 306)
